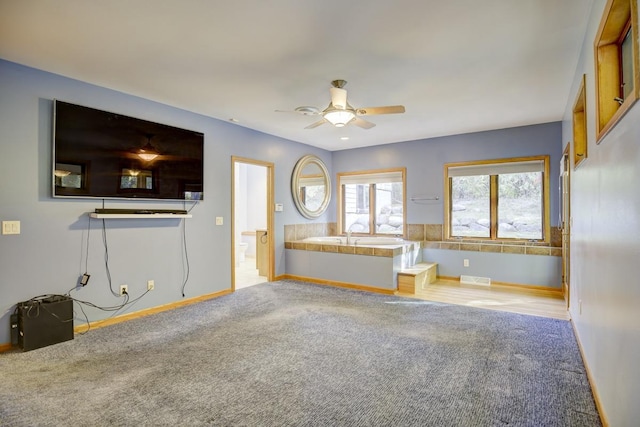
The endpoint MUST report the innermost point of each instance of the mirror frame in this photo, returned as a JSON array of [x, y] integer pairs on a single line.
[[295, 184]]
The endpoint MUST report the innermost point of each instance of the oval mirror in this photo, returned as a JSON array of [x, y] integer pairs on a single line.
[[311, 186]]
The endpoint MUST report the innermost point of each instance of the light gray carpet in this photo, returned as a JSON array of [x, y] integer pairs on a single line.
[[295, 354]]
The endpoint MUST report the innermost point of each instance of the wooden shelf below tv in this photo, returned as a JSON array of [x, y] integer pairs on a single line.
[[137, 216]]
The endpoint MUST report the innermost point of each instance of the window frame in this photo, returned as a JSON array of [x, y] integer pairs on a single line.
[[580, 145], [618, 18], [493, 235], [372, 200]]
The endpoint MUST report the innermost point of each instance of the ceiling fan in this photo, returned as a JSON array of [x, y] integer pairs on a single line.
[[340, 113]]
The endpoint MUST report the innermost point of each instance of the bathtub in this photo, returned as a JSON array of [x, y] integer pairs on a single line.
[[355, 240], [366, 263]]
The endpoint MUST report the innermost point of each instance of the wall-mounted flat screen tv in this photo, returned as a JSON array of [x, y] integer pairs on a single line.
[[112, 156]]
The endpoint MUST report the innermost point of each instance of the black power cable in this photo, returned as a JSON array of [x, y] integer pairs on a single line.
[[185, 259], [106, 257]]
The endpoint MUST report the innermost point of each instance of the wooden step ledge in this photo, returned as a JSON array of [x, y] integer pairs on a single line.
[[416, 277], [417, 268]]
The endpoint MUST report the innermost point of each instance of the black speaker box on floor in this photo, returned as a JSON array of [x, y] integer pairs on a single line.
[[45, 321], [13, 323]]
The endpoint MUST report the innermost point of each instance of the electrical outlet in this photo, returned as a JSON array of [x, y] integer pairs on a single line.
[[465, 263], [84, 279], [151, 285], [124, 289], [10, 227], [219, 220]]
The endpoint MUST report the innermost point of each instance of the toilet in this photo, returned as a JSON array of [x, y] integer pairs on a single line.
[[241, 248]]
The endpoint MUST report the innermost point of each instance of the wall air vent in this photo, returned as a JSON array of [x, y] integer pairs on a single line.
[[475, 280]]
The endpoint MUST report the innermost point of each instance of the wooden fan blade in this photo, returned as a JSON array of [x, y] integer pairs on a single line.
[[390, 109], [362, 123], [316, 124]]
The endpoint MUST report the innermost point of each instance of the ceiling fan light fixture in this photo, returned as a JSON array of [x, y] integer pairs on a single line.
[[339, 118], [340, 113]]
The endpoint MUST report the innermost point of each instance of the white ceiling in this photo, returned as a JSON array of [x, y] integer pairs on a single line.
[[458, 66]]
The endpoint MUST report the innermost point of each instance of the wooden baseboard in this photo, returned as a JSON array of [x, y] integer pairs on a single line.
[[594, 390], [148, 311], [340, 284], [5, 347]]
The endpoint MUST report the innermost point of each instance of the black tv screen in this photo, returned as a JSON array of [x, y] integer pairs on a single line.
[[108, 155]]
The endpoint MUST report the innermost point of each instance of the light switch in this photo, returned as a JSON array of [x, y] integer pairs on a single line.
[[10, 227], [219, 220], [279, 207]]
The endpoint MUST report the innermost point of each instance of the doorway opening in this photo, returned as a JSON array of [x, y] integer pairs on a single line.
[[252, 223]]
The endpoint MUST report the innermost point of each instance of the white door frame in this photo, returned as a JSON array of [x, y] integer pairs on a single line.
[[565, 224], [270, 217]]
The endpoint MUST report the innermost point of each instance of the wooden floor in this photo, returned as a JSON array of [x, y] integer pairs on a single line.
[[495, 297]]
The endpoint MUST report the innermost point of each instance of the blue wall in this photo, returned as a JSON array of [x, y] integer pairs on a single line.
[[425, 159], [519, 269], [49, 254]]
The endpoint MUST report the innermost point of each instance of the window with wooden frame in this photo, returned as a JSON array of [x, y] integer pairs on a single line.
[[580, 126], [616, 59], [504, 199], [372, 202]]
